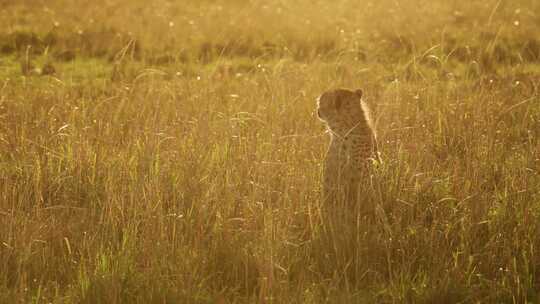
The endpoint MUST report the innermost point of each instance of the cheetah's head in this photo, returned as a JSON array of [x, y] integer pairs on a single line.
[[341, 108]]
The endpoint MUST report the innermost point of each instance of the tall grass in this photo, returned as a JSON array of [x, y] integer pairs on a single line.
[[175, 156]]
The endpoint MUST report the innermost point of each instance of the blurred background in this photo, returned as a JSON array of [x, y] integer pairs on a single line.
[[387, 31]]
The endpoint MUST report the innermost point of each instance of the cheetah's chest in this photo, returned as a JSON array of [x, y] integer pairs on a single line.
[[345, 157]]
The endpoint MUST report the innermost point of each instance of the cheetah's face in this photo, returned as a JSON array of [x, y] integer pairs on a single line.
[[341, 105]]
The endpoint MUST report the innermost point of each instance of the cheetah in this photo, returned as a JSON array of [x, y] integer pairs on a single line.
[[353, 141]]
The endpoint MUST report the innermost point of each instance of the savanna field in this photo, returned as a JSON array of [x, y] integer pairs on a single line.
[[170, 151]]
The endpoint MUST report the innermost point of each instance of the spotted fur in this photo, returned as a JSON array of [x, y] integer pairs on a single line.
[[352, 140]]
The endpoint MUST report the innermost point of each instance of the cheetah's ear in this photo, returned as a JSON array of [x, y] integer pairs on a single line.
[[358, 93]]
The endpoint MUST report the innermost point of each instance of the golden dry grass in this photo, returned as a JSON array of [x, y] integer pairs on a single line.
[[169, 152]]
